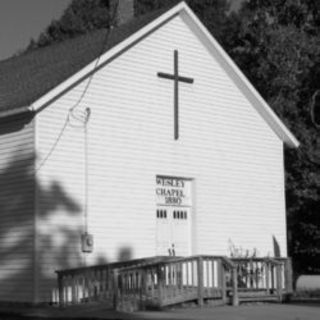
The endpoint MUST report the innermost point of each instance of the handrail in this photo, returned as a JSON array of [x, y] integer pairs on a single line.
[[112, 265], [228, 262], [277, 261], [165, 280], [171, 259]]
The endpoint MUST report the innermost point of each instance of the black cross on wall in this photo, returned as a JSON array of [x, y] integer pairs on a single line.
[[176, 78]]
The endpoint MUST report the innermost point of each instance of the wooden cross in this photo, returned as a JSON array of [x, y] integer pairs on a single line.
[[176, 78]]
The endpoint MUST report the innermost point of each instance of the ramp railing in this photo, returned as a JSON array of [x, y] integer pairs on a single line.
[[93, 283], [160, 281], [174, 281]]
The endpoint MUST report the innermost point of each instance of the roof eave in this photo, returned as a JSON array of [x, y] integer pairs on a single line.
[[292, 142], [13, 112], [245, 85]]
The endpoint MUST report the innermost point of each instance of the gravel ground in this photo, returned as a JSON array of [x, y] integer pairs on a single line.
[[305, 311], [244, 312]]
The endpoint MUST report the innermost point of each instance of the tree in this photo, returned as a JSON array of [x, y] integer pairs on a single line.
[[278, 49], [80, 17], [215, 14], [83, 16]]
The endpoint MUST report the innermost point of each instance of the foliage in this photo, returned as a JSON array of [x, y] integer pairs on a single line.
[[215, 14], [83, 16], [239, 252], [278, 49], [306, 294], [80, 17]]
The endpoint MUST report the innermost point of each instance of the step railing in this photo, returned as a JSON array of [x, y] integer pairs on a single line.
[[264, 276]]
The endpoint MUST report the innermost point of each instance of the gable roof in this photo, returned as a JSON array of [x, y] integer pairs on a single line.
[[33, 80], [25, 78]]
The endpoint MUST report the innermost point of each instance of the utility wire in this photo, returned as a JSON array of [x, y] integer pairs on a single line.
[[53, 147], [315, 104], [71, 110]]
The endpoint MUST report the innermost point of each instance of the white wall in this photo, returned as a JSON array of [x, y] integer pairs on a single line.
[[235, 159]]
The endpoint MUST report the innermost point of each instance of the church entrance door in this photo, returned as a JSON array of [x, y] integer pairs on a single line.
[[173, 230], [173, 215]]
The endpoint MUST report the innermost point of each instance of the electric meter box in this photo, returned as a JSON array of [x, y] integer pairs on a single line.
[[87, 242]]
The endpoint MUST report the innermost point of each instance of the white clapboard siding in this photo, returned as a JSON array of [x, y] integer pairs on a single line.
[[232, 155], [16, 209]]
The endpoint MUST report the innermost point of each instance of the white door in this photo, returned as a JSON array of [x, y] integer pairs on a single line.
[[173, 230]]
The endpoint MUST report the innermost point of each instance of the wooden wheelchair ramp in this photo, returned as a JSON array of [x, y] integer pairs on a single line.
[[162, 281], [175, 281]]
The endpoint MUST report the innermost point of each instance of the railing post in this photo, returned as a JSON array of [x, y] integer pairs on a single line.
[[235, 297], [115, 289], [161, 281], [200, 281], [267, 264], [223, 282], [143, 290], [279, 281], [60, 289]]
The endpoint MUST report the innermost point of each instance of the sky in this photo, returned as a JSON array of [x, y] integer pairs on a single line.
[[22, 20]]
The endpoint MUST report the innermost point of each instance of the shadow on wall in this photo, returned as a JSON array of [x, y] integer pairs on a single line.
[[276, 247], [57, 240], [18, 188], [125, 254], [17, 229]]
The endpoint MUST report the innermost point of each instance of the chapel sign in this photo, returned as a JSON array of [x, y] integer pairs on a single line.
[[172, 191]]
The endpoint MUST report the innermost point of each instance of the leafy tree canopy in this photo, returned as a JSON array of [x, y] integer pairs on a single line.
[[80, 17], [83, 16], [278, 48]]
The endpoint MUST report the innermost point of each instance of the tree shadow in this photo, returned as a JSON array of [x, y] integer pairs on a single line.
[[30, 249], [276, 247], [29, 246], [41, 223], [37, 237], [124, 254]]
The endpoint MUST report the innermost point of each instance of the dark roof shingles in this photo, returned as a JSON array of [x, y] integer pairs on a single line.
[[25, 78]]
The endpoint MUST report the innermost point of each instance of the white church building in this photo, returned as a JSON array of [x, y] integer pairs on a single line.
[[146, 140]]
